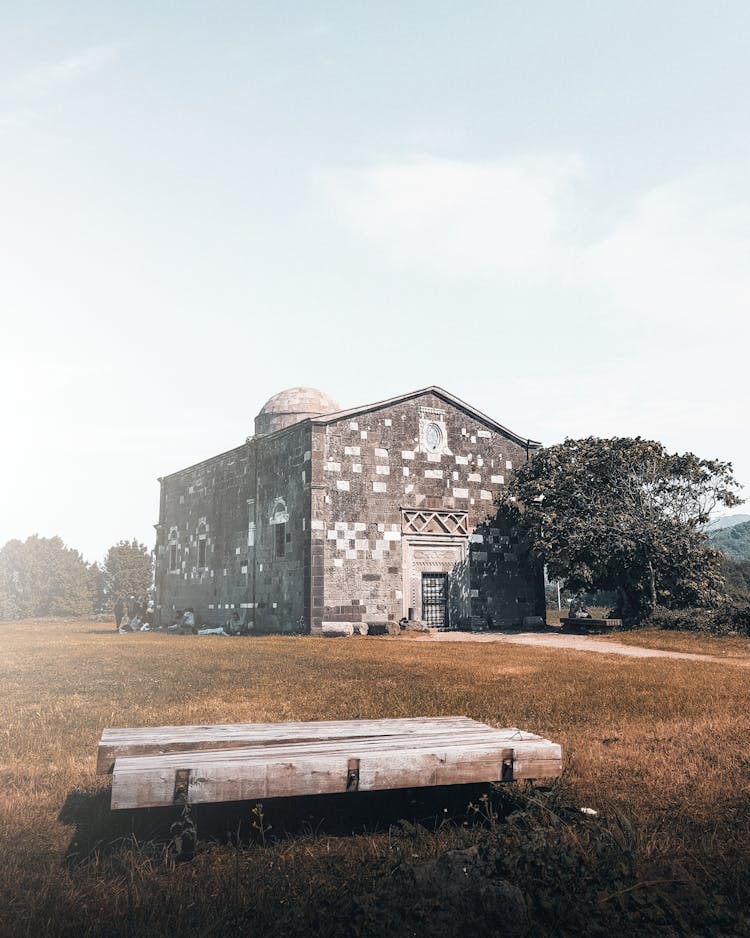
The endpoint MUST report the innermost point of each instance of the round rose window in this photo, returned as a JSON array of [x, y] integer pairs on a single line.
[[433, 437]]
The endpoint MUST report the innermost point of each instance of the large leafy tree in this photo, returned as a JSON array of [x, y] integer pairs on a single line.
[[42, 577], [624, 515], [128, 569]]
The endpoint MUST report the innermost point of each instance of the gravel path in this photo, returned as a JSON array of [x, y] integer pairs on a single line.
[[574, 643]]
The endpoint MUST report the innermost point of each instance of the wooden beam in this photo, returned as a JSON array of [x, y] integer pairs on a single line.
[[457, 755], [154, 740]]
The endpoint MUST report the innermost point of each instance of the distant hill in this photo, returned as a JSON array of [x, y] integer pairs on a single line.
[[728, 521], [733, 541]]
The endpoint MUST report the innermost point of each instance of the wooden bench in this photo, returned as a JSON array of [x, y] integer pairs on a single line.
[[160, 766], [590, 625]]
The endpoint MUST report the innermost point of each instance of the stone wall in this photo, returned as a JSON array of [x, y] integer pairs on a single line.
[[206, 501], [240, 502], [368, 469], [282, 501]]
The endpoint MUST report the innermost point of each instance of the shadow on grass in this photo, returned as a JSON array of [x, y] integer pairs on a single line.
[[100, 830]]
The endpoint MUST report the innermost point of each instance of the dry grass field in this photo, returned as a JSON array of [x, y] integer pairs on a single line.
[[660, 748], [695, 643]]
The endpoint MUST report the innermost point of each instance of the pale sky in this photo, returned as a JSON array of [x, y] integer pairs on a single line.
[[542, 207]]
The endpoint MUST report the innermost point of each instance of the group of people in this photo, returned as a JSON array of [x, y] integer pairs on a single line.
[[233, 626], [137, 615], [185, 624], [133, 614]]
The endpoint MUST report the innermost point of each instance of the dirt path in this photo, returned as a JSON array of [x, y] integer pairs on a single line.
[[575, 643]]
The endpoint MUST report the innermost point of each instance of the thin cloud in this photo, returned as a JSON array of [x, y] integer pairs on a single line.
[[43, 80], [457, 216], [678, 253]]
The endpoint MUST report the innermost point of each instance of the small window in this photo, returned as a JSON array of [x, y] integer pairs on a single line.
[[201, 532], [172, 556], [280, 539]]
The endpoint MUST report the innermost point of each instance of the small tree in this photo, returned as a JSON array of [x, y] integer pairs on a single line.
[[128, 569], [624, 515], [42, 577]]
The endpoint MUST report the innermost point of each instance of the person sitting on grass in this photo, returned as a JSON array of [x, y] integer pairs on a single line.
[[188, 621], [578, 609]]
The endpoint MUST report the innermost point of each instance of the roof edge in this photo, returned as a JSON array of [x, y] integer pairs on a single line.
[[203, 462], [438, 392], [325, 419]]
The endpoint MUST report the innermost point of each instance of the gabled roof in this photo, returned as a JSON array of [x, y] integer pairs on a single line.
[[438, 392]]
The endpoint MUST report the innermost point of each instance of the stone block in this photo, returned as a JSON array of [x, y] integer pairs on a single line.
[[383, 628], [415, 625], [337, 629]]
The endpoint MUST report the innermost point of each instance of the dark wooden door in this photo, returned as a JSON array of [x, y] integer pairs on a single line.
[[435, 600]]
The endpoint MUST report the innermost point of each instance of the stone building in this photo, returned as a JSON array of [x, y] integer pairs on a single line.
[[361, 516]]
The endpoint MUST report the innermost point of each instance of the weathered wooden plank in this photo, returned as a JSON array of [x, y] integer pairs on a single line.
[[321, 767], [223, 782], [530, 767], [288, 729], [467, 738], [125, 742]]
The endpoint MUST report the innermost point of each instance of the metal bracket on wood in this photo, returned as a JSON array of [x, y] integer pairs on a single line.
[[352, 775], [507, 771], [181, 785]]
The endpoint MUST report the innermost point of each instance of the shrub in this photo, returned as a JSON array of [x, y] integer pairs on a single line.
[[736, 575], [725, 619]]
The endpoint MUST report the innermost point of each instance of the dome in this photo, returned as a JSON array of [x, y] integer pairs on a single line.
[[291, 406]]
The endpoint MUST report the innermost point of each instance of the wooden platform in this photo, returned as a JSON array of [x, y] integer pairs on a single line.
[[168, 765], [590, 625]]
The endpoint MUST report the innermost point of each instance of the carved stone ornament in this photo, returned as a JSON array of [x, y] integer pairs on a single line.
[[424, 521]]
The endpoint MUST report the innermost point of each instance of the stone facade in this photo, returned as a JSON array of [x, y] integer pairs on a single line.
[[350, 518]]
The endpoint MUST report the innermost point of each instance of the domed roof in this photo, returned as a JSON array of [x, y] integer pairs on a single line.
[[292, 405]]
